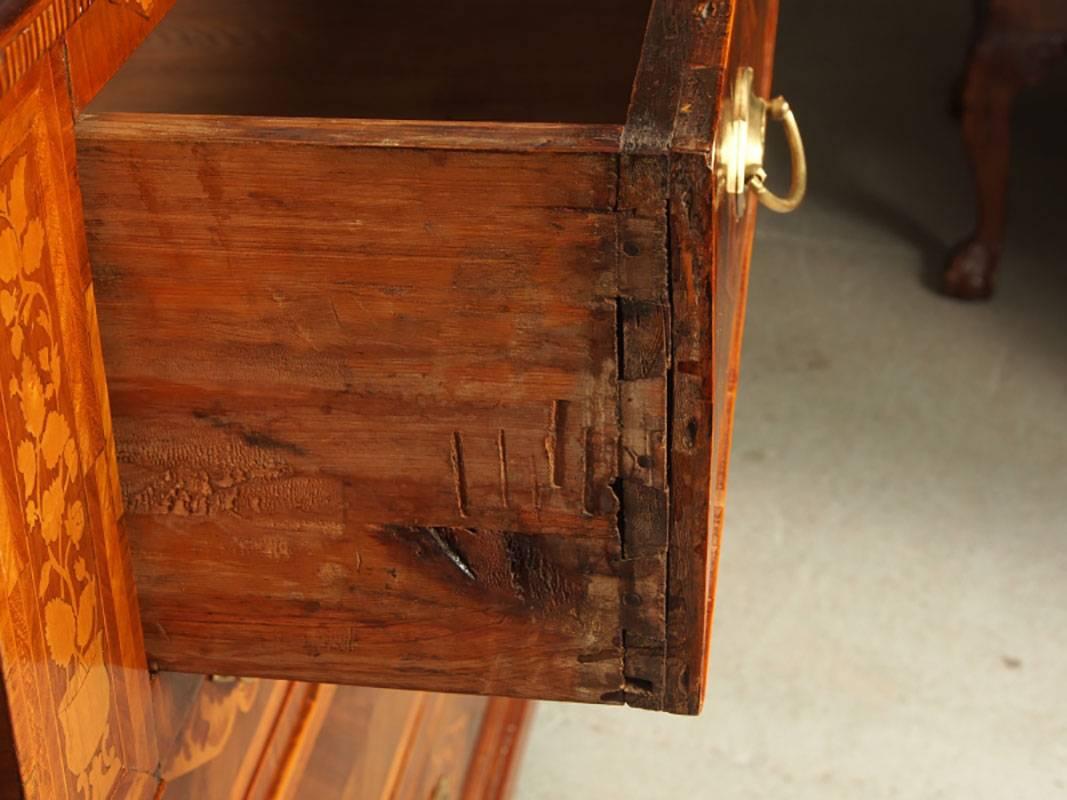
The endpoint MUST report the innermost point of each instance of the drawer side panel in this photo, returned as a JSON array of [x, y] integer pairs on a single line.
[[366, 403]]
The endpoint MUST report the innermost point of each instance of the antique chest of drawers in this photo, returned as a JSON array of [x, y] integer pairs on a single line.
[[363, 344]]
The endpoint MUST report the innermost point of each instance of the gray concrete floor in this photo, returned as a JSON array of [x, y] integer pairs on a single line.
[[892, 611]]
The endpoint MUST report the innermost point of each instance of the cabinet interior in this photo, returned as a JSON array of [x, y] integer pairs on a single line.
[[567, 61]]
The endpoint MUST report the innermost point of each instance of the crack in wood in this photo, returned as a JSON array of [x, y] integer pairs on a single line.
[[519, 570], [451, 553]]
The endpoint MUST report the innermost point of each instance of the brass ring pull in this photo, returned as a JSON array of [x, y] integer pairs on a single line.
[[779, 110], [741, 144]]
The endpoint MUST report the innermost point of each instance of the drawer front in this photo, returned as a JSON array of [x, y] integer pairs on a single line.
[[733, 229], [378, 744], [712, 246], [364, 748], [229, 738], [239, 738], [441, 753]]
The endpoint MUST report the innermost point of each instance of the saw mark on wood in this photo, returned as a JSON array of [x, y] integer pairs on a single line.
[[508, 567], [332, 640], [459, 474], [535, 488], [589, 485], [555, 443], [336, 316], [502, 454]]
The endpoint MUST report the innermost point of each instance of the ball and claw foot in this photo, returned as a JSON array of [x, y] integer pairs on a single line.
[[969, 275]]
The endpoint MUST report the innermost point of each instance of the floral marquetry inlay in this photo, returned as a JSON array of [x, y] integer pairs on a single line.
[[143, 7], [211, 724], [71, 648], [51, 483]]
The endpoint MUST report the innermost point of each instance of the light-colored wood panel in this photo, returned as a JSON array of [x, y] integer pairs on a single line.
[[516, 137]]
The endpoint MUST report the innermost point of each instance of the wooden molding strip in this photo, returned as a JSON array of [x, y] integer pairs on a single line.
[[497, 753], [507, 137], [33, 34]]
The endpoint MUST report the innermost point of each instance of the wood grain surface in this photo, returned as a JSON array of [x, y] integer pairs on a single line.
[[494, 763], [400, 439], [29, 29], [70, 635], [103, 38], [224, 728], [732, 230], [690, 53], [245, 738], [441, 750], [77, 708], [255, 738], [365, 745]]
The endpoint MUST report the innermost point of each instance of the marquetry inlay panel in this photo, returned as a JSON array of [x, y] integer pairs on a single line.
[[34, 37], [73, 663]]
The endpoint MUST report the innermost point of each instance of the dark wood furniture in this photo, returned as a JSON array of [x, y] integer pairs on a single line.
[[1015, 43], [421, 327]]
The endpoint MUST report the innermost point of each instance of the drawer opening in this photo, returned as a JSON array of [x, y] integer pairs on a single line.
[[569, 61]]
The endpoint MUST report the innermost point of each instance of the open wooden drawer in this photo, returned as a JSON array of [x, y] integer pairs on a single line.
[[420, 324]]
